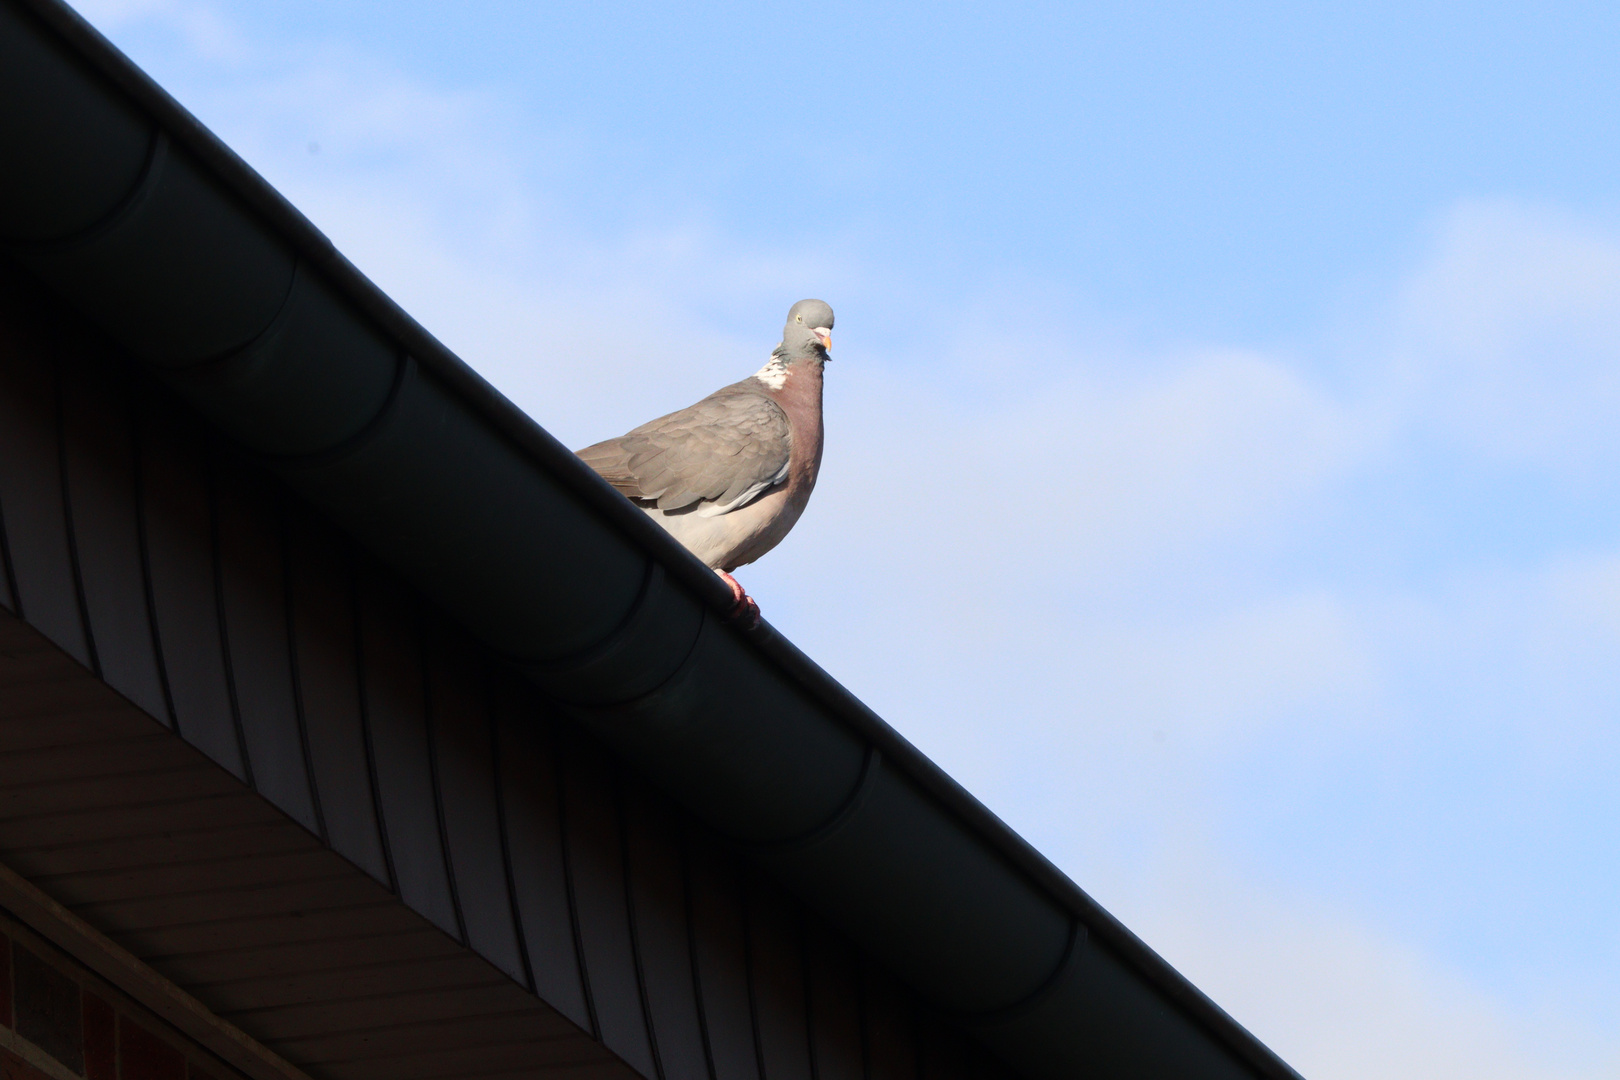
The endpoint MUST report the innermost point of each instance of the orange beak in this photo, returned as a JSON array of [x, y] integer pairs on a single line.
[[823, 335]]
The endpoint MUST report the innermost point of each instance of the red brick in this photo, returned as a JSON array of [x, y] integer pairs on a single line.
[[100, 1039], [13, 1067], [145, 1056], [5, 980], [48, 1009]]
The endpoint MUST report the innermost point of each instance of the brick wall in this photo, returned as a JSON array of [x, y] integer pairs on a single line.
[[58, 1021]]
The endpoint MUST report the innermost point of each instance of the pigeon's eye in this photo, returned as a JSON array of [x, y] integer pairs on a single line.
[[798, 318]]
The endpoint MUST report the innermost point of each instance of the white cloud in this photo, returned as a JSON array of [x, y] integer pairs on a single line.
[[1512, 338], [200, 26], [1230, 677], [1341, 1000], [1587, 595]]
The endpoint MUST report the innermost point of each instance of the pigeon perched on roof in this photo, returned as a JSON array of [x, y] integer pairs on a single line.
[[729, 476]]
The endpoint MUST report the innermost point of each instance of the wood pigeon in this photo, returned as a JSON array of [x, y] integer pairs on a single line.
[[729, 476]]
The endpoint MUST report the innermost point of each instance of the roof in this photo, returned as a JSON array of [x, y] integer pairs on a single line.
[[124, 205]]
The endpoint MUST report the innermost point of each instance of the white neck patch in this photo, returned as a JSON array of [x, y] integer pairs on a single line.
[[773, 374]]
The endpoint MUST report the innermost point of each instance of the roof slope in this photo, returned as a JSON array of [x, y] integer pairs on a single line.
[[123, 204]]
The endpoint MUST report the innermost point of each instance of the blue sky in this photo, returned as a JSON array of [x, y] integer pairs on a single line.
[[1223, 478]]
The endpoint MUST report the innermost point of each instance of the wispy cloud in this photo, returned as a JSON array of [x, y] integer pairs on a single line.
[[200, 27], [1511, 335], [1341, 1000]]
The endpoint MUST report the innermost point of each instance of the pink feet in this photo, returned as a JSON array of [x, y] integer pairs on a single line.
[[744, 611]]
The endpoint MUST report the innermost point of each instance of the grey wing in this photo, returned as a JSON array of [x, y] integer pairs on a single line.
[[717, 455]]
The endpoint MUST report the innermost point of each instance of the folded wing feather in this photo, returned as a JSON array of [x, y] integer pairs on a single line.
[[713, 457]]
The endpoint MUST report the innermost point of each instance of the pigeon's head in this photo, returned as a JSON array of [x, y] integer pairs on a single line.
[[808, 333]]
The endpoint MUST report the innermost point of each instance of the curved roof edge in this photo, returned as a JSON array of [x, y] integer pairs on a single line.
[[834, 818]]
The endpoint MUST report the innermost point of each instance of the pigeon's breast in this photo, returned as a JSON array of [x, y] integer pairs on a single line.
[[800, 398], [738, 537]]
